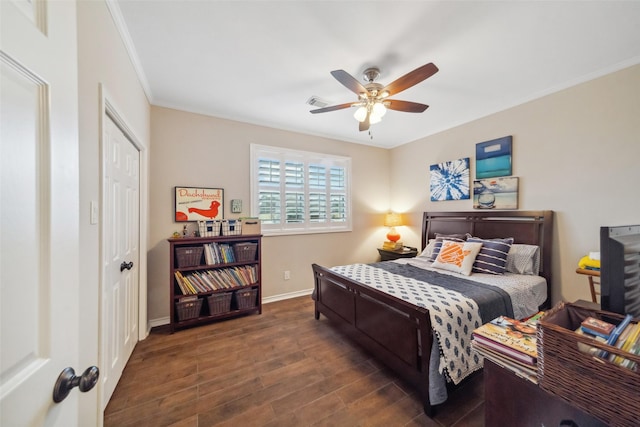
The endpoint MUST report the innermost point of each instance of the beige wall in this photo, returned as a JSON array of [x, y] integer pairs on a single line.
[[576, 152], [102, 58], [195, 150]]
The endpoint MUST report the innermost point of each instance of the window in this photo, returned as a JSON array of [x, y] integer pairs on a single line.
[[299, 192]]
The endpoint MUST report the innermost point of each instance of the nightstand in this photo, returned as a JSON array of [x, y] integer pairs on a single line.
[[406, 252]]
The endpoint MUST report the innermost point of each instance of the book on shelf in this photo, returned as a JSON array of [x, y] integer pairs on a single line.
[[509, 336], [204, 281], [218, 253]]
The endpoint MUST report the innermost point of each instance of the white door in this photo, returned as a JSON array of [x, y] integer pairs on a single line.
[[120, 229], [39, 212]]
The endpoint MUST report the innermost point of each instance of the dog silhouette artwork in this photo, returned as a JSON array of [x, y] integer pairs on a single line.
[[212, 212]]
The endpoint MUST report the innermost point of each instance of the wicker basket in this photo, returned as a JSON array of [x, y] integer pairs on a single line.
[[598, 387], [189, 256], [245, 251], [188, 309], [220, 303], [231, 227], [246, 298]]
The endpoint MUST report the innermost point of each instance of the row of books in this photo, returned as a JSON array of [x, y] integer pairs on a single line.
[[624, 336], [212, 280], [511, 344], [218, 253]]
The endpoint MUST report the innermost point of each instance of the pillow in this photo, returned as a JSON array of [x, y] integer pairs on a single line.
[[441, 237], [428, 250], [524, 259], [492, 258], [457, 256]]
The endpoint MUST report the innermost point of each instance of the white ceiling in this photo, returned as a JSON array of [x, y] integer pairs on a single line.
[[260, 61]]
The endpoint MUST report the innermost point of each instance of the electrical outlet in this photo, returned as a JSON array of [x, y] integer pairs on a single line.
[[287, 275]]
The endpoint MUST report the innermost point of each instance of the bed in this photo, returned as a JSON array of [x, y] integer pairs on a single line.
[[399, 332]]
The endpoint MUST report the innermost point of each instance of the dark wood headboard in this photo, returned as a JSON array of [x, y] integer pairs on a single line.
[[526, 227]]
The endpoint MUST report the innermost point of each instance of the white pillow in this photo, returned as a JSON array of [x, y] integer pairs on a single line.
[[523, 259], [457, 256]]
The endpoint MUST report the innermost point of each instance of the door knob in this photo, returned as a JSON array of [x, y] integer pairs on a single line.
[[126, 265], [67, 380]]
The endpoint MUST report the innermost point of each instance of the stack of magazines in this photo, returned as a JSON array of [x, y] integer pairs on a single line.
[[511, 344]]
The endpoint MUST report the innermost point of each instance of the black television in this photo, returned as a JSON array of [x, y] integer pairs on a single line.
[[620, 269]]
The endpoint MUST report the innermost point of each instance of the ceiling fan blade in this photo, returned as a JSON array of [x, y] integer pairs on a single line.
[[349, 81], [364, 125], [412, 78], [332, 108], [406, 106]]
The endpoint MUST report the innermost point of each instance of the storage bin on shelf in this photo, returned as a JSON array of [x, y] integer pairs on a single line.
[[251, 226], [245, 251], [209, 228], [189, 309], [246, 298], [219, 303], [231, 227], [595, 385], [189, 256]]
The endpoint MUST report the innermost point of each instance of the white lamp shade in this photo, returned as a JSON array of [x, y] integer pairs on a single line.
[[379, 109], [360, 114]]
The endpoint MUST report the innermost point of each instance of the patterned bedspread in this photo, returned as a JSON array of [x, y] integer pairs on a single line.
[[455, 310]]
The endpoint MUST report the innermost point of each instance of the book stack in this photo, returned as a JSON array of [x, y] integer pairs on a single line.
[[511, 344], [391, 246], [624, 336]]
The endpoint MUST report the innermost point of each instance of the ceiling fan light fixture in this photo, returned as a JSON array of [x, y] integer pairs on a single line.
[[374, 118], [360, 114], [379, 109]]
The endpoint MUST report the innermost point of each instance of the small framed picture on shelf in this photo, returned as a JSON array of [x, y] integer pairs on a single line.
[[197, 203]]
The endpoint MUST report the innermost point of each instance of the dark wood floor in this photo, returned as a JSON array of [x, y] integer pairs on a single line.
[[281, 368]]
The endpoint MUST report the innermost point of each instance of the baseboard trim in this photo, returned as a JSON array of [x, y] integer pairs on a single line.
[[161, 321], [290, 295]]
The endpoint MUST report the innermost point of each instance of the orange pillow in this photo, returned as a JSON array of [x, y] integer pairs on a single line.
[[457, 256]]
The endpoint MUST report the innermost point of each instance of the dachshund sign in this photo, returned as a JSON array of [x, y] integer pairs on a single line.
[[199, 204]]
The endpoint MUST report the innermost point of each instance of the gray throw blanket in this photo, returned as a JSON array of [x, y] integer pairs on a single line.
[[492, 301]]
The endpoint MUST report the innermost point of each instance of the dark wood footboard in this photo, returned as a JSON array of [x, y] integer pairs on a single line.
[[396, 332]]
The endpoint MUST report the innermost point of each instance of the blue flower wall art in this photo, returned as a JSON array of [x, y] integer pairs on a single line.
[[450, 180]]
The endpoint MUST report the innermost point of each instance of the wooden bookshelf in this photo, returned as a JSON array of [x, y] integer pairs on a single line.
[[233, 282]]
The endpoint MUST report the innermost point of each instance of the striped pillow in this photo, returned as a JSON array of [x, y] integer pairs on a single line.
[[492, 258], [442, 237]]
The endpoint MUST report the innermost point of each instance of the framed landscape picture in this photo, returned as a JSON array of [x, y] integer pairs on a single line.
[[495, 193], [198, 204]]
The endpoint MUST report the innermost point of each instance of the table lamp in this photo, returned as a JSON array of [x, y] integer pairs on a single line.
[[393, 220]]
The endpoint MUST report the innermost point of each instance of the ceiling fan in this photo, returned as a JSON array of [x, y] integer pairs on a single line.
[[373, 98]]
